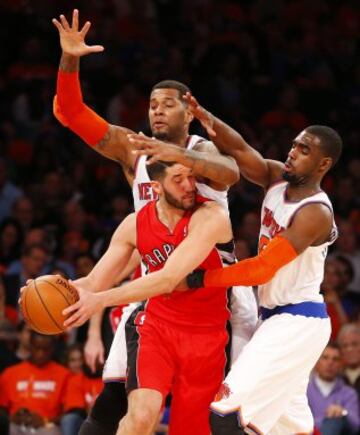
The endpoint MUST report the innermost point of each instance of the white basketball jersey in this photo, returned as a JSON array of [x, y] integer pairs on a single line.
[[299, 280], [143, 193]]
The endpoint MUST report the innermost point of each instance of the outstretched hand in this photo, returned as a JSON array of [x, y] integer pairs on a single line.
[[72, 40], [205, 117]]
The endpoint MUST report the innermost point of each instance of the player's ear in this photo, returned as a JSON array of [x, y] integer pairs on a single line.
[[325, 164], [156, 186]]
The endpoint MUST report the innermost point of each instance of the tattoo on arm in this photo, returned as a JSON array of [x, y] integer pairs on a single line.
[[104, 141], [69, 63]]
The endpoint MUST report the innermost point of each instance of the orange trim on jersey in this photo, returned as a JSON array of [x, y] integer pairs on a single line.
[[254, 271], [71, 111]]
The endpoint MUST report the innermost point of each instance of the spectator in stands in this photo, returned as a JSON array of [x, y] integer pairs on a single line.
[[9, 193], [346, 246], [330, 288], [8, 338], [32, 392], [349, 299], [349, 342], [23, 212], [33, 261], [74, 358], [11, 236], [81, 393], [335, 406]]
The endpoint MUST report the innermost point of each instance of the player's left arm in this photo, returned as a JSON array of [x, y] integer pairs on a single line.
[[311, 226], [209, 225], [204, 159]]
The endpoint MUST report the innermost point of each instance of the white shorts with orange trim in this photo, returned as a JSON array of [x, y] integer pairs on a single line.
[[267, 383]]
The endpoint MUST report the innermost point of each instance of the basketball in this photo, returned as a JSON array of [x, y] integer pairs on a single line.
[[43, 301]]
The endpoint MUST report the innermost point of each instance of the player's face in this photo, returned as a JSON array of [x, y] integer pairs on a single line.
[[305, 159], [178, 187], [168, 115], [329, 364]]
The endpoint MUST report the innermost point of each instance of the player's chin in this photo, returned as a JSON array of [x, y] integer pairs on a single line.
[[188, 203]]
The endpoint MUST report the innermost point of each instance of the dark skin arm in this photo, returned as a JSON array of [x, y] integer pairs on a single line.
[[207, 164], [115, 144], [251, 163], [220, 170]]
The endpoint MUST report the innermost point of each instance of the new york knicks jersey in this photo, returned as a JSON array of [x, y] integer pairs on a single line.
[[299, 280], [143, 193], [202, 308]]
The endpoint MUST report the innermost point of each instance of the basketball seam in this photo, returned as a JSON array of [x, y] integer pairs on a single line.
[[62, 294], [45, 307], [31, 321]]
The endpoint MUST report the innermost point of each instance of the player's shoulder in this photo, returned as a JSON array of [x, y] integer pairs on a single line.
[[210, 210]]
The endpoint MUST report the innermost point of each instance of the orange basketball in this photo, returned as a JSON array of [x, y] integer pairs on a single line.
[[43, 301]]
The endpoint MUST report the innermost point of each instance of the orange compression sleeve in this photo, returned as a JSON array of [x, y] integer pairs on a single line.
[[71, 111], [255, 270]]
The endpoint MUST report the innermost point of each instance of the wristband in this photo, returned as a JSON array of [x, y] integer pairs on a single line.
[[195, 279]]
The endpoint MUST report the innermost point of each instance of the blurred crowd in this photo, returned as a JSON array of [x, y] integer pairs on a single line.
[[267, 68]]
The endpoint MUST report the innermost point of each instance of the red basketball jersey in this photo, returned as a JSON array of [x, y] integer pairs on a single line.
[[205, 307]]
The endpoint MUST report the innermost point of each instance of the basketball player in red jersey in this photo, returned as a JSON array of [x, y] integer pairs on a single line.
[[181, 335], [169, 120]]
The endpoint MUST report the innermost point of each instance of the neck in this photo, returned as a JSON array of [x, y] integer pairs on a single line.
[[168, 214], [179, 139], [301, 191]]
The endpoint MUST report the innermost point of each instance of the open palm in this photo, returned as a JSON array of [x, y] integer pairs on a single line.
[[72, 40]]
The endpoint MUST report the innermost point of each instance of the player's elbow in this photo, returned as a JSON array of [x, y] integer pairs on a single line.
[[233, 175], [168, 282]]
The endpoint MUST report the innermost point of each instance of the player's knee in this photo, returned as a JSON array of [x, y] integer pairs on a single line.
[[226, 425], [142, 419]]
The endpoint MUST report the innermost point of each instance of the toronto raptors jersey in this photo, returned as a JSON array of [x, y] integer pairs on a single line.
[[300, 279], [143, 193], [202, 308]]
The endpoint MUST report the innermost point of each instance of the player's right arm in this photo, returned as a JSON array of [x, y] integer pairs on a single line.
[[115, 260], [109, 140], [253, 166]]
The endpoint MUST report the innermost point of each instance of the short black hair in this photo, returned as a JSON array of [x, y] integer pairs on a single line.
[[172, 84], [157, 169], [331, 142]]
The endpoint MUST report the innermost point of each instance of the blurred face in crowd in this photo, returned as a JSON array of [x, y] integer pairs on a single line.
[[331, 276], [329, 364], [34, 262], [75, 361], [9, 236], [168, 115], [350, 348], [305, 160], [23, 212], [42, 348], [347, 238], [84, 265]]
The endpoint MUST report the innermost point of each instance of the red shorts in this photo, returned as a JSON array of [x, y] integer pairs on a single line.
[[188, 363]]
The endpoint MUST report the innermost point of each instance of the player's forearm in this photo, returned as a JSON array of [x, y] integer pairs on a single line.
[[227, 139], [252, 271], [215, 167], [69, 63], [154, 284]]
